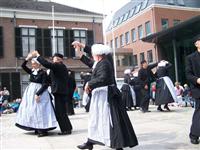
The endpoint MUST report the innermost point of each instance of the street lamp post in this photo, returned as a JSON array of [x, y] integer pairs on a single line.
[[53, 26], [114, 51]]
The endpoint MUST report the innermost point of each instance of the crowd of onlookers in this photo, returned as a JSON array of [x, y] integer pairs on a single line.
[[6, 104], [183, 94]]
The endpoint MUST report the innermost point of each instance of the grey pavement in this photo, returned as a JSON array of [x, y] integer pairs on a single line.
[[155, 131]]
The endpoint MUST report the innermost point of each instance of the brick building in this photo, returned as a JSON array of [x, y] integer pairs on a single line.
[[26, 25], [139, 19]]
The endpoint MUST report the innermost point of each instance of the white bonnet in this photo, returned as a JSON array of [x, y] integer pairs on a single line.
[[100, 49], [127, 71], [162, 63]]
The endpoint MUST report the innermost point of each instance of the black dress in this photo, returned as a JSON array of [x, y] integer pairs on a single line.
[[127, 97], [33, 115], [164, 86], [121, 130]]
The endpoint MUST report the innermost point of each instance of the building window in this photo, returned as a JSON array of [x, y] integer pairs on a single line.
[[133, 35], [171, 2], [140, 32], [80, 35], [121, 40], [120, 20], [144, 4], [135, 61], [1, 41], [28, 40], [111, 43], [115, 22], [164, 23], [181, 2], [137, 9], [131, 12], [148, 28], [124, 60], [59, 41], [149, 56], [127, 39], [116, 43], [176, 21], [126, 16], [142, 57]]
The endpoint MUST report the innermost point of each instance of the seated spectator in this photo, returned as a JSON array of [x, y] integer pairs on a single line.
[[76, 97], [6, 94], [179, 93], [12, 106], [1, 101], [187, 96]]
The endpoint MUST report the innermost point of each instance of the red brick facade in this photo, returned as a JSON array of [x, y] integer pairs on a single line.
[[154, 14]]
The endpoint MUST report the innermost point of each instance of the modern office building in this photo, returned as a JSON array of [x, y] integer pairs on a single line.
[[139, 19]]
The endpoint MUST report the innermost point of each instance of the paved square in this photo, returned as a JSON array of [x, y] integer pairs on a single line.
[[155, 131]]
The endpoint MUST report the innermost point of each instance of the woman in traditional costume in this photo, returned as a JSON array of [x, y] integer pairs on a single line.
[[36, 110]]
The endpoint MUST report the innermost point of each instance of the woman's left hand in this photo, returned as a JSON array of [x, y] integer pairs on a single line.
[[37, 98], [87, 89]]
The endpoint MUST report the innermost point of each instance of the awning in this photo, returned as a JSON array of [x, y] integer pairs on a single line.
[[189, 28]]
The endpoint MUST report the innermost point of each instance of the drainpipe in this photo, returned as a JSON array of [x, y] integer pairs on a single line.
[[175, 59], [93, 28], [15, 24]]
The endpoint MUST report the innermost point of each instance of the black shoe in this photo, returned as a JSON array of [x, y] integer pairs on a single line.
[[42, 134], [85, 146], [130, 109], [145, 111], [159, 109], [194, 141], [119, 148], [166, 107], [65, 132], [36, 132]]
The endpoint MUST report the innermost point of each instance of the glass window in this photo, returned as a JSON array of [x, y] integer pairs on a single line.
[[125, 60], [135, 61], [115, 22], [126, 16], [181, 2], [121, 40], [116, 43], [59, 40], [133, 35], [140, 32], [127, 37], [120, 20], [144, 4], [165, 23], [28, 40], [111, 43], [80, 35], [131, 12], [149, 56], [176, 21], [170, 1], [137, 9], [142, 57], [148, 28]]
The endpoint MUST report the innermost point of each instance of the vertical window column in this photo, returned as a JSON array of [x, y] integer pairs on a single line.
[[28, 40], [59, 40]]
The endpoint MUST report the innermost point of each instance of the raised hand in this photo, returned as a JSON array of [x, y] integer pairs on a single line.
[[29, 56], [35, 53]]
